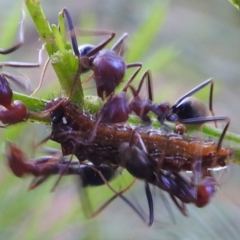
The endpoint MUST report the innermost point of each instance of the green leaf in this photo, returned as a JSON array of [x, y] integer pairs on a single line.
[[235, 3]]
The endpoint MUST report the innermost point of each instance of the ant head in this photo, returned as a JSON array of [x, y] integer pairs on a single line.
[[190, 107], [84, 49], [205, 191], [16, 160]]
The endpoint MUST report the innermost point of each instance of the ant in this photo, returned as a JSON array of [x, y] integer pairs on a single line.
[[12, 112], [186, 110], [43, 167], [143, 166], [108, 67], [176, 185]]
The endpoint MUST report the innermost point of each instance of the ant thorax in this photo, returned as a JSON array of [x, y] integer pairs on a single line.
[[71, 127]]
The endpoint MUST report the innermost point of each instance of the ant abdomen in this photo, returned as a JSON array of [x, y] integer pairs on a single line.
[[136, 162], [90, 177], [11, 112], [16, 112], [190, 107], [5, 92], [109, 70]]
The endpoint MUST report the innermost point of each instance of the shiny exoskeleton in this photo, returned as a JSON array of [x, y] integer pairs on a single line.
[[12, 112], [44, 167], [108, 67], [180, 189], [143, 166], [186, 110]]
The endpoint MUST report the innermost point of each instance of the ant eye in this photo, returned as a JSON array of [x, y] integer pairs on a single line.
[[85, 49]]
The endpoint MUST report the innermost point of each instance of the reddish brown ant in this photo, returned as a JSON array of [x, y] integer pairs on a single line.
[[44, 167], [16, 111], [10, 112], [186, 109], [108, 67]]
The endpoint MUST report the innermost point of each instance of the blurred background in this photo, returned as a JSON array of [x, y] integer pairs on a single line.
[[183, 43]]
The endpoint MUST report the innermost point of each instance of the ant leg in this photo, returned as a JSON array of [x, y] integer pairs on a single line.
[[20, 41], [112, 198], [72, 32], [139, 106], [147, 76], [25, 86], [120, 194], [132, 65], [38, 181], [74, 39], [41, 78], [118, 47], [202, 120], [181, 206], [24, 64], [150, 203], [140, 165], [167, 205], [194, 90], [115, 115], [87, 80], [62, 173]]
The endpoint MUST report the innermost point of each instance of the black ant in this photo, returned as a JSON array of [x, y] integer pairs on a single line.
[[143, 166], [108, 67], [16, 111]]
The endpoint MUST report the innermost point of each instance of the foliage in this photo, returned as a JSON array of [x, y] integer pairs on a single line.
[[235, 3]]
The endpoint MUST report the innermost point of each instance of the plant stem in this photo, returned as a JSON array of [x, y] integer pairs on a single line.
[[61, 56]]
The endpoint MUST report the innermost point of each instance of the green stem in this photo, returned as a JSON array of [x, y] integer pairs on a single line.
[[61, 56], [93, 104]]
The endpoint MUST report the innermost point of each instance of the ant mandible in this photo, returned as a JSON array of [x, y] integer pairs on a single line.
[[108, 67]]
